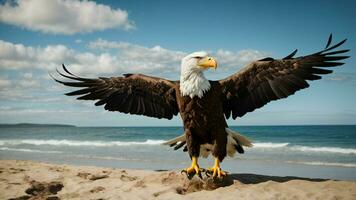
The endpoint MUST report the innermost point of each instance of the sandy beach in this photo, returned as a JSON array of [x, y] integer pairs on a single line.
[[37, 180]]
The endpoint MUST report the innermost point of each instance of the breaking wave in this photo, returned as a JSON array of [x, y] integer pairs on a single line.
[[27, 150], [79, 143], [101, 143], [324, 149], [324, 164], [310, 149], [269, 145], [108, 158]]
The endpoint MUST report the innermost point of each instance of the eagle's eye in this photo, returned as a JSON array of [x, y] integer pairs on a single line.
[[198, 57]]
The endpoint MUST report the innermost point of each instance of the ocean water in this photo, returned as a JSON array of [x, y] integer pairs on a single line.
[[308, 151]]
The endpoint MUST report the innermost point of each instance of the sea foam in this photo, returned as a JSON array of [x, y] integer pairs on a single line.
[[311, 149], [27, 150], [101, 143], [269, 145], [324, 149], [97, 143], [332, 164]]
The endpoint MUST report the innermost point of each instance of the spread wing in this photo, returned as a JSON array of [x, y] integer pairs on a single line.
[[133, 93], [268, 79]]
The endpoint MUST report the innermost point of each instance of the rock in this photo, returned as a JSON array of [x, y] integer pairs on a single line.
[[52, 198], [196, 184], [83, 175], [92, 177], [24, 197], [97, 176], [38, 188], [140, 183], [181, 190], [97, 189], [55, 187], [127, 178]]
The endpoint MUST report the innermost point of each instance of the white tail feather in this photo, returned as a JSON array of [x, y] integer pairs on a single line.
[[180, 138], [243, 141], [206, 149]]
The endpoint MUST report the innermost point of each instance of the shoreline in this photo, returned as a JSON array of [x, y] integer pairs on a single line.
[[239, 166], [63, 181]]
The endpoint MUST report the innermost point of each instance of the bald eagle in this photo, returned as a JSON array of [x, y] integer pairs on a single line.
[[204, 105]]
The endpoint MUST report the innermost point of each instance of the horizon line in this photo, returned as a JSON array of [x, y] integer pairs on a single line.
[[178, 126]]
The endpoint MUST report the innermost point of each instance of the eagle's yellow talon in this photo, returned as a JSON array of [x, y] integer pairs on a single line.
[[216, 170], [193, 169]]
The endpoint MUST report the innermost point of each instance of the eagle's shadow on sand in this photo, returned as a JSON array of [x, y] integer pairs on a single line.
[[256, 178], [195, 184], [208, 183]]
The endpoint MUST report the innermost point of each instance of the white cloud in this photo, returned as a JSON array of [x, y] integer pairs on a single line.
[[108, 57], [338, 78], [233, 59], [18, 56], [341, 77], [27, 75], [169, 60], [78, 41], [20, 87], [4, 83], [138, 58], [13, 94], [132, 59], [63, 16], [22, 110]]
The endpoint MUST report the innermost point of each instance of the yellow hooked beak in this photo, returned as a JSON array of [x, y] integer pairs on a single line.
[[207, 62]]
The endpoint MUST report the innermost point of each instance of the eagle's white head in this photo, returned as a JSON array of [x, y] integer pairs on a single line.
[[192, 80]]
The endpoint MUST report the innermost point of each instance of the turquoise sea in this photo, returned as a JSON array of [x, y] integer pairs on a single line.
[[308, 151]]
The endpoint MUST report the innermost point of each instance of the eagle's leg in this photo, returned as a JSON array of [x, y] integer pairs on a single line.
[[219, 154], [193, 169], [216, 171], [194, 149]]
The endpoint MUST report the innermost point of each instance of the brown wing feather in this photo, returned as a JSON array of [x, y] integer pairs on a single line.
[[266, 80], [134, 93]]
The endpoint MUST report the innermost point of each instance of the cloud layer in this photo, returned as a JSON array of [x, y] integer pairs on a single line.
[[109, 57], [63, 16]]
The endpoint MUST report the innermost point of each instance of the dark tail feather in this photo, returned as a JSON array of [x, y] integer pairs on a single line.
[[239, 147], [178, 146]]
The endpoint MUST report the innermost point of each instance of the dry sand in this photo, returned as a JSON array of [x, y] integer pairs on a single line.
[[35, 180]]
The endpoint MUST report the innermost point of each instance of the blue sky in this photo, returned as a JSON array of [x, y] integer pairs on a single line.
[[108, 38]]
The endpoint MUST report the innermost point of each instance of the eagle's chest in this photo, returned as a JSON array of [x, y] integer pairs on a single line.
[[201, 109], [195, 103]]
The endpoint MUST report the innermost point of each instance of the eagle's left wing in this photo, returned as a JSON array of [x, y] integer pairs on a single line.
[[133, 93], [268, 79]]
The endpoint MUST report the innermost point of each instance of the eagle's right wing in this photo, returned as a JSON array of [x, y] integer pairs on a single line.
[[268, 79]]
